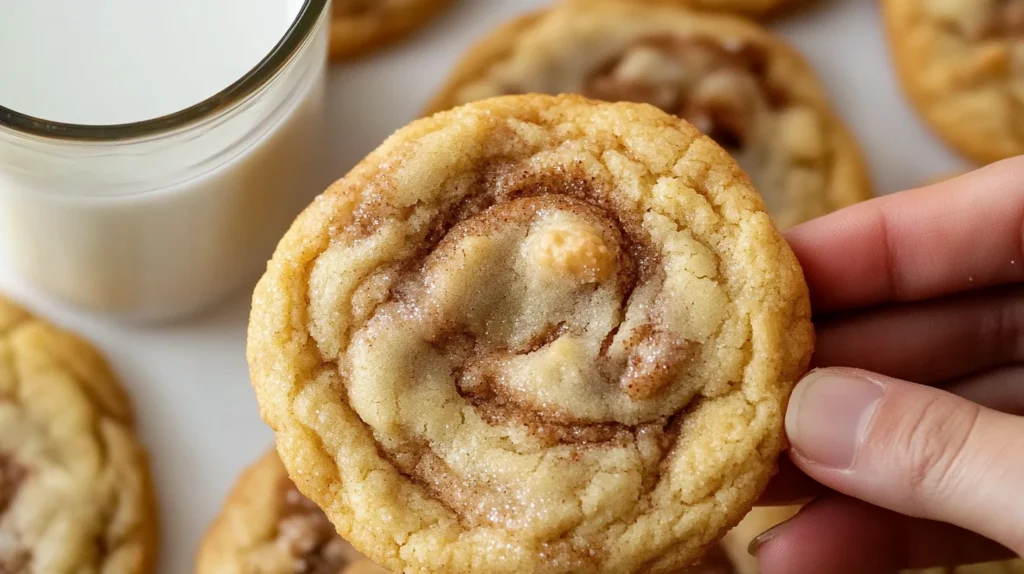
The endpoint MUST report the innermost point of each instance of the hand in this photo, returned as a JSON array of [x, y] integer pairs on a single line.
[[924, 286]]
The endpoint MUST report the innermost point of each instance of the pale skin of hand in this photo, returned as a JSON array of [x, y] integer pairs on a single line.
[[910, 435]]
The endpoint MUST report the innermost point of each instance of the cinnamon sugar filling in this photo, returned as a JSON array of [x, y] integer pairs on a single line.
[[561, 351]]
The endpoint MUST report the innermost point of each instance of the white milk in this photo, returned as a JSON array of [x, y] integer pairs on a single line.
[[162, 224], [102, 62]]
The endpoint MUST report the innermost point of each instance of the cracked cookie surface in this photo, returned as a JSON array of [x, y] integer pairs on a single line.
[[75, 491], [360, 26], [961, 62], [533, 334], [731, 78], [268, 527]]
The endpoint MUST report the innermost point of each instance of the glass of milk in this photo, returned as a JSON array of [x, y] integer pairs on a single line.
[[152, 153]]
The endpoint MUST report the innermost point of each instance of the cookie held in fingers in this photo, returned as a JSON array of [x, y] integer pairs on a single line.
[[961, 62], [733, 79], [267, 527], [533, 334], [360, 26], [75, 490]]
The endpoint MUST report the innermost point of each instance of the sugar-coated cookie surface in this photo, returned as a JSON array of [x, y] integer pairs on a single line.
[[962, 64], [75, 491], [733, 79], [267, 527], [533, 334], [359, 26]]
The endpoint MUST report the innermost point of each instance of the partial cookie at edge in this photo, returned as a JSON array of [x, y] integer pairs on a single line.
[[75, 490], [962, 65], [267, 527]]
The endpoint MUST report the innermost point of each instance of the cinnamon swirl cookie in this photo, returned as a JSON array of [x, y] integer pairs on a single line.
[[75, 492], [533, 334], [731, 78], [962, 64], [268, 527], [358, 26]]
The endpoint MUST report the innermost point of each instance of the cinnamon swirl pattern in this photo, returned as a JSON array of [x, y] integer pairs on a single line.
[[736, 81], [533, 334]]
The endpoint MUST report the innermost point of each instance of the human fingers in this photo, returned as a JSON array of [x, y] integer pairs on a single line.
[[930, 341], [913, 449], [1000, 389], [841, 535], [953, 236]]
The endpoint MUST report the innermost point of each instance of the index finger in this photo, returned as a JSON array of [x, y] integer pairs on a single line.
[[954, 236]]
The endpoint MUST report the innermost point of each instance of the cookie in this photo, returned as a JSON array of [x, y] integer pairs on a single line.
[[729, 77], [533, 334], [360, 26], [961, 62], [752, 8], [75, 490], [267, 527]]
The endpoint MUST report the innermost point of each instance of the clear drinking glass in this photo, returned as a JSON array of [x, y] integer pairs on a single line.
[[158, 219]]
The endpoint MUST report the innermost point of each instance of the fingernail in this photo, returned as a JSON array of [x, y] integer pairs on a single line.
[[829, 414], [765, 537]]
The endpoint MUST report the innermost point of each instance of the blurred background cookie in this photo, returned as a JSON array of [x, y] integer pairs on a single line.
[[75, 490], [752, 8], [731, 78], [962, 64], [359, 26], [267, 527]]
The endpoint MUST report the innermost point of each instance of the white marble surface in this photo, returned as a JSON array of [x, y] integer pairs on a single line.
[[196, 411]]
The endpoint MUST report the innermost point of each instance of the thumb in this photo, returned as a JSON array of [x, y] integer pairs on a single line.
[[917, 450]]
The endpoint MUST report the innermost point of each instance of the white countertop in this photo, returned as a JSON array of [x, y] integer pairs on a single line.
[[196, 411]]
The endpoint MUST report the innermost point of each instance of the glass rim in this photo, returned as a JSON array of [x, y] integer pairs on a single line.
[[267, 68]]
